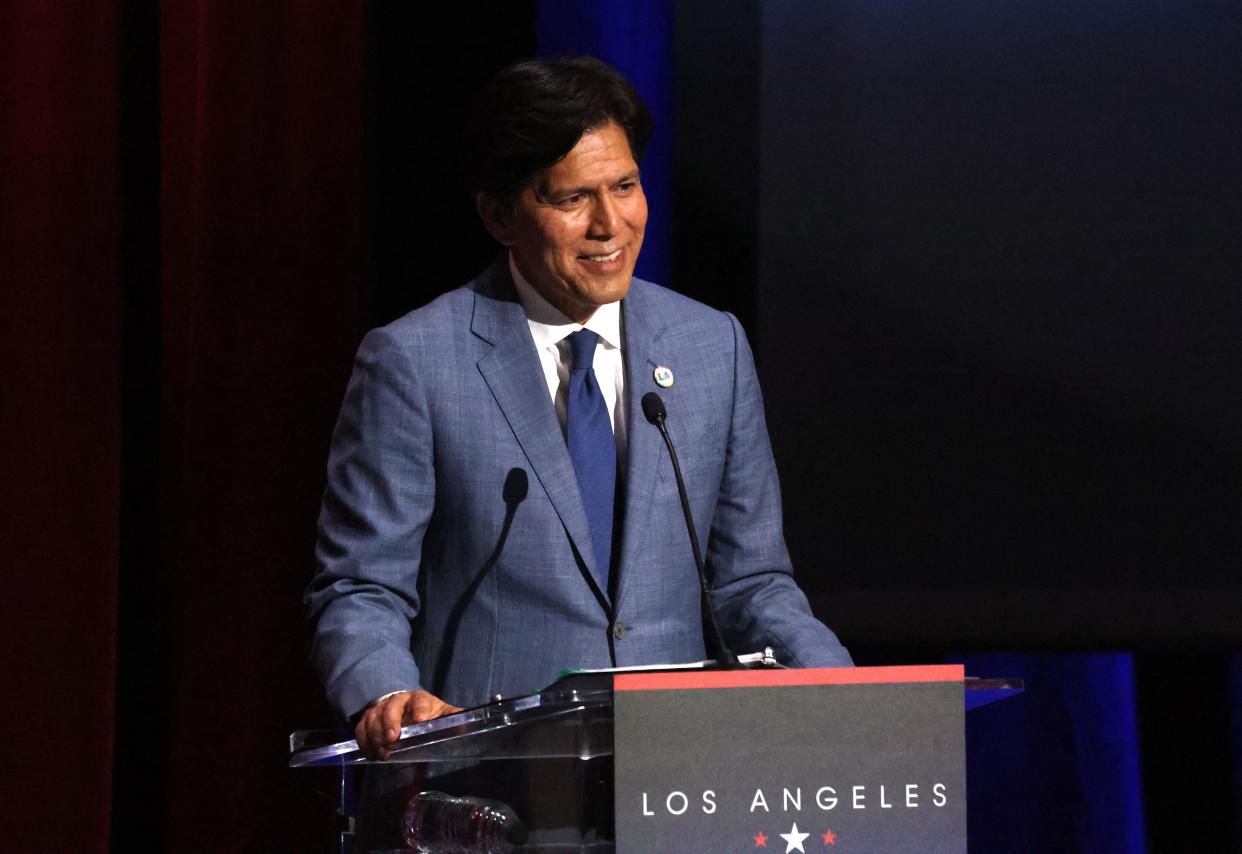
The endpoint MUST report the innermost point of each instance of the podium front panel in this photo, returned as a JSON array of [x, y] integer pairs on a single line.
[[868, 759]]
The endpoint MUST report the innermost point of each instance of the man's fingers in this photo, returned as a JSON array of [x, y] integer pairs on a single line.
[[363, 733], [392, 714], [381, 724]]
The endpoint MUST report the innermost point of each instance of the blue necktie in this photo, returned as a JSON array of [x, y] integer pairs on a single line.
[[588, 432]]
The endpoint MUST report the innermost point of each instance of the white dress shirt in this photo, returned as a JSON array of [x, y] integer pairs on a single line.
[[550, 328]]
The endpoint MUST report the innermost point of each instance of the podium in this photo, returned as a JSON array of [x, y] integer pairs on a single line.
[[688, 759]]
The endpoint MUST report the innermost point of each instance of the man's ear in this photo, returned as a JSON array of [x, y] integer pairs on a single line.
[[497, 217]]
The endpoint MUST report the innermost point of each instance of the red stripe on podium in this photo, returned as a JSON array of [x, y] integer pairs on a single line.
[[764, 678]]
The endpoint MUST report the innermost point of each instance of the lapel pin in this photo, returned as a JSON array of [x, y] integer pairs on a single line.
[[663, 376]]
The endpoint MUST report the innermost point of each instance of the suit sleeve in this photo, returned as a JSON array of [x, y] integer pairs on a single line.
[[754, 593], [379, 499]]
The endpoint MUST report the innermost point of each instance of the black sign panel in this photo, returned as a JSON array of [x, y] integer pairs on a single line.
[[851, 759]]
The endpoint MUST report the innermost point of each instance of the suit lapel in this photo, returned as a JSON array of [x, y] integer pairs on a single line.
[[513, 374], [644, 327]]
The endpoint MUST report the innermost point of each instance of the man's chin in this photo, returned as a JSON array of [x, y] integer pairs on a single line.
[[610, 292]]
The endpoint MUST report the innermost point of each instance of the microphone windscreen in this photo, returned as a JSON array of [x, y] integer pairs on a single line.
[[653, 407], [516, 486]]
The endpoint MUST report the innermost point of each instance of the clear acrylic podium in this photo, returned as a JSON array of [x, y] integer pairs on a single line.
[[547, 755]]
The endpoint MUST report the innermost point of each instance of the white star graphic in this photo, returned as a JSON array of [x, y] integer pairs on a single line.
[[793, 839]]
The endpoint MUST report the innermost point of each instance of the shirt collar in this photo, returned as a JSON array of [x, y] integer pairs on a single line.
[[548, 326]]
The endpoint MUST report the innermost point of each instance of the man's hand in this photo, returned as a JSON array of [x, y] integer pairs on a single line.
[[381, 724]]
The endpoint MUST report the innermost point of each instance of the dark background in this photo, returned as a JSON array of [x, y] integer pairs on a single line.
[[986, 255], [1016, 233]]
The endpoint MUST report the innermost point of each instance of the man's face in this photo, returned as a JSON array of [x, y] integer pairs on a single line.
[[575, 233]]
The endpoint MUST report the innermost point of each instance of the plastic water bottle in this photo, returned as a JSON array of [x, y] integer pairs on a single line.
[[436, 823]]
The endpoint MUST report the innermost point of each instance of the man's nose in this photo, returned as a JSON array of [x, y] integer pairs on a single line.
[[605, 218]]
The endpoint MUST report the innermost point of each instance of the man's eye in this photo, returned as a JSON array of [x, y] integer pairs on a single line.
[[626, 187], [571, 201]]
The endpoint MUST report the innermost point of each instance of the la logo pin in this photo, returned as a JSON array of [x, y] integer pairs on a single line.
[[663, 376]]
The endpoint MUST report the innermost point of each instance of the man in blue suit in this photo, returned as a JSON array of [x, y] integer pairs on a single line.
[[498, 508]]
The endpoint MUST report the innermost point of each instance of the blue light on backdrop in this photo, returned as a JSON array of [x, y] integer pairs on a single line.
[[1057, 768], [637, 38]]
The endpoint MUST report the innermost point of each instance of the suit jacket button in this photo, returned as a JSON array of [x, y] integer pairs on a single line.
[[619, 629]]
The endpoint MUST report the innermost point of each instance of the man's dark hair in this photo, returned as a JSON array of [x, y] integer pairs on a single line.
[[533, 113]]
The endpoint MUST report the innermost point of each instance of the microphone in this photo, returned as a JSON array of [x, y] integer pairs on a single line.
[[653, 409]]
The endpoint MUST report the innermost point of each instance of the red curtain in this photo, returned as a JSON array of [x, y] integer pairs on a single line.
[[59, 421], [261, 161], [259, 131]]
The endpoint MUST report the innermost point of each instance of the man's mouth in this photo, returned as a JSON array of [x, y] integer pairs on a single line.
[[602, 259]]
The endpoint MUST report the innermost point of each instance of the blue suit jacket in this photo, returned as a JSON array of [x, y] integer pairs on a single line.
[[454, 553]]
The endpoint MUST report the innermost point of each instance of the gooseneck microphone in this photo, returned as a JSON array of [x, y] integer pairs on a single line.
[[653, 409]]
